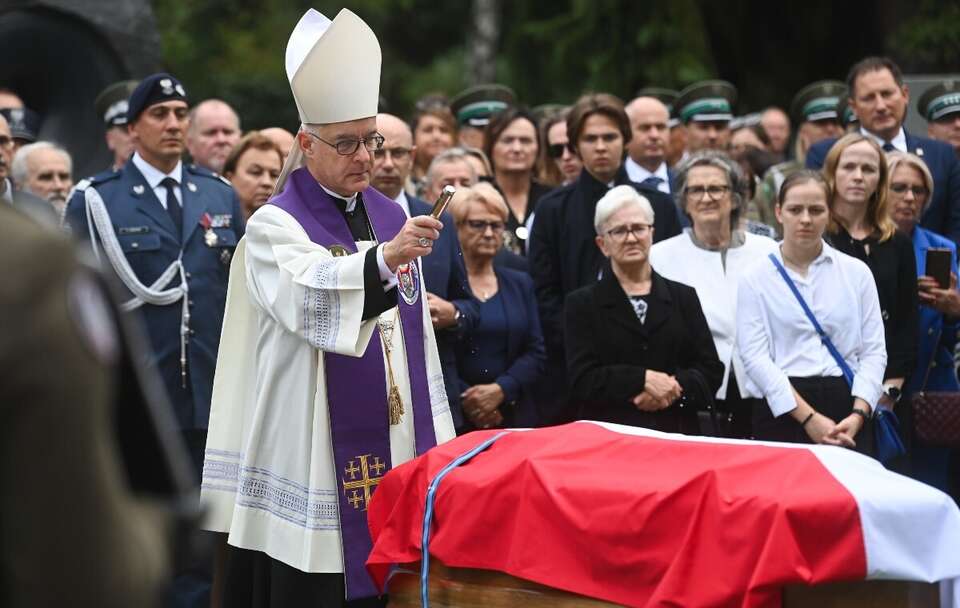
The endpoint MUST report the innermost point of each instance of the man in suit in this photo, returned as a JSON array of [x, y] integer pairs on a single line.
[[562, 253], [444, 274], [940, 105], [213, 132], [646, 160], [35, 207], [879, 98], [169, 230]]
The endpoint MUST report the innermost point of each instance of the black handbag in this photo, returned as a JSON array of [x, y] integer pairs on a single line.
[[936, 414]]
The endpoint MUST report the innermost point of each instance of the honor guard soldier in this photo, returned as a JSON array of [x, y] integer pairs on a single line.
[[940, 105], [111, 107], [706, 109], [474, 107], [169, 231]]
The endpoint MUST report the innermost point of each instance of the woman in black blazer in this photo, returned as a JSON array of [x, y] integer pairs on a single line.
[[501, 360], [639, 350]]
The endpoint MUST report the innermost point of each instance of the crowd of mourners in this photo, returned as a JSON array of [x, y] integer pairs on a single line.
[[664, 263]]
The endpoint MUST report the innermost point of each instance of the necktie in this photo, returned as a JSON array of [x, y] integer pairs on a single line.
[[653, 182], [173, 205], [888, 147]]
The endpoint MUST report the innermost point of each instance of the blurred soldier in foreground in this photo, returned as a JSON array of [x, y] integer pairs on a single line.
[[72, 532]]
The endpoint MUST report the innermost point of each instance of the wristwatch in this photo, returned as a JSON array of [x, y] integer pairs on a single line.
[[892, 392]]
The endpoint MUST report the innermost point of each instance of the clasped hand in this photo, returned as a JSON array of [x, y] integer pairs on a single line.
[[481, 404], [406, 246], [823, 430], [659, 391]]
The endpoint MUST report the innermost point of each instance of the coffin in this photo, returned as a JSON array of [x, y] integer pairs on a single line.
[[591, 514], [472, 588]]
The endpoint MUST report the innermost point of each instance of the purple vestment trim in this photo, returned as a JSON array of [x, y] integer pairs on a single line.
[[356, 388]]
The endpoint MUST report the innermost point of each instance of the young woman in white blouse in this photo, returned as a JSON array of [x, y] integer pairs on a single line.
[[808, 399]]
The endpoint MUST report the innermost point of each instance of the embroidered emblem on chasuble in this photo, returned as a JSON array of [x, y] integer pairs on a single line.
[[408, 278], [361, 476]]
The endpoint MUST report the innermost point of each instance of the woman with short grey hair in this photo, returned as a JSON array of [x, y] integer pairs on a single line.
[[710, 256], [638, 348]]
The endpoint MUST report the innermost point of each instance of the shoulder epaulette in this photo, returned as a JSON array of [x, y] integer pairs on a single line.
[[203, 172]]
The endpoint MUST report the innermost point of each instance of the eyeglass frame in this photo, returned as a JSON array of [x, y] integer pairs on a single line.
[[485, 224], [377, 139], [705, 192], [638, 230], [924, 191], [404, 152]]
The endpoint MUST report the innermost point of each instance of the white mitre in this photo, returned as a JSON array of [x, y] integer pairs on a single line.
[[334, 73], [333, 68]]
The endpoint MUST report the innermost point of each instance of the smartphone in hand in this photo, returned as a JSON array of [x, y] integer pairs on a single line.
[[938, 266]]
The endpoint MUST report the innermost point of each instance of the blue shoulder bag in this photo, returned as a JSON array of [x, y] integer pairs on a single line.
[[886, 427]]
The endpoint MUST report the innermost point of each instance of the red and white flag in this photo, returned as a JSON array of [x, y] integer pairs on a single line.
[[642, 518]]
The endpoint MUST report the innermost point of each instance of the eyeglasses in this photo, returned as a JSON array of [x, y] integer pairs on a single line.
[[902, 189], [346, 147], [395, 153], [714, 192], [482, 225], [620, 233], [556, 150], [6, 141]]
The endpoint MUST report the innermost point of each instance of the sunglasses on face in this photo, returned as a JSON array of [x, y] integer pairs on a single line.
[[481, 226], [902, 189], [556, 150]]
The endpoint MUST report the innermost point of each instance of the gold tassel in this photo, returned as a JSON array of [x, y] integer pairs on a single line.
[[396, 404]]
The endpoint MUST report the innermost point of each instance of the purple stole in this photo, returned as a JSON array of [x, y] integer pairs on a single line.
[[356, 387]]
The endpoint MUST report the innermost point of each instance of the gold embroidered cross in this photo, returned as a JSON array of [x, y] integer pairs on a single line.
[[367, 483]]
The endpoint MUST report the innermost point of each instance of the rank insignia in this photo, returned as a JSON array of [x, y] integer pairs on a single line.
[[409, 282], [361, 476], [192, 187], [138, 189], [209, 236], [338, 251]]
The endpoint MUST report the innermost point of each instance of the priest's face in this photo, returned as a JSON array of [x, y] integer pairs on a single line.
[[345, 174]]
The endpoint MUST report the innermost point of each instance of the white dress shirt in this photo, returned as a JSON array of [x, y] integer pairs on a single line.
[[715, 279], [899, 142], [404, 203], [777, 340], [154, 176], [637, 174]]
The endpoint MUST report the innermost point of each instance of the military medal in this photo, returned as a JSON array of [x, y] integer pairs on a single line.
[[209, 236]]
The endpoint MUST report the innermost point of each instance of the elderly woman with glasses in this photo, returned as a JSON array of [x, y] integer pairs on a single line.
[[501, 360], [711, 256], [639, 350], [909, 192]]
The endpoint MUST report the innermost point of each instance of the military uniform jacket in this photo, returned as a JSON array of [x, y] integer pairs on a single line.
[[150, 243]]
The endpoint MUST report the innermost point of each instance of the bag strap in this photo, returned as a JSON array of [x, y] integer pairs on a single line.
[[847, 372], [933, 357]]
